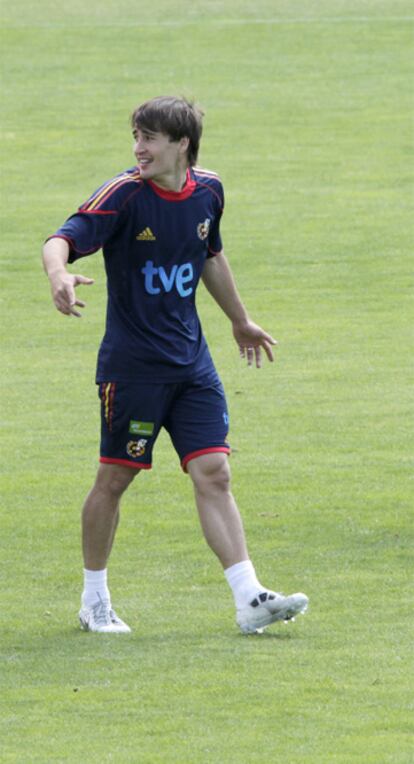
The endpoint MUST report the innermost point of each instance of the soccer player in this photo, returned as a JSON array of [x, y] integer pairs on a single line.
[[158, 225]]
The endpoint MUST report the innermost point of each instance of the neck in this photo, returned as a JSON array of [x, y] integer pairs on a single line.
[[172, 182]]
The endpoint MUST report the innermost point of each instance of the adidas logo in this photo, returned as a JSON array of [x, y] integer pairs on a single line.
[[146, 235]]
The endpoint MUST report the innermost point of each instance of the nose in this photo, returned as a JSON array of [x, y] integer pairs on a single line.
[[139, 145]]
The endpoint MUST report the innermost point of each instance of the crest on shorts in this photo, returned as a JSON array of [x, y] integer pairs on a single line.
[[203, 229], [136, 448]]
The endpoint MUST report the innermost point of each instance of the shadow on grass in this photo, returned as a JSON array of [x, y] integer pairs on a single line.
[[66, 655], [186, 637], [60, 639]]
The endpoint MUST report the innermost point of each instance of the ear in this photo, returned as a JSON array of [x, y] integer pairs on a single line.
[[184, 144]]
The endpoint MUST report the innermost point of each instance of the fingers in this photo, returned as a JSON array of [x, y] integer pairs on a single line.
[[82, 280], [248, 353], [268, 349], [64, 300], [64, 295], [268, 338], [251, 354], [74, 312], [254, 352]]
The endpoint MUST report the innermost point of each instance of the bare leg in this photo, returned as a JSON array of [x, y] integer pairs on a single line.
[[100, 515], [219, 517]]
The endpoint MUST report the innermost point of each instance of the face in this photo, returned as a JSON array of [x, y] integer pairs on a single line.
[[159, 158]]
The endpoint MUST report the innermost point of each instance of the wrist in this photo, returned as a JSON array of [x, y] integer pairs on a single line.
[[56, 271], [240, 321]]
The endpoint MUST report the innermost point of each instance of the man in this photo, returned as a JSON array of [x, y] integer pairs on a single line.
[[159, 227]]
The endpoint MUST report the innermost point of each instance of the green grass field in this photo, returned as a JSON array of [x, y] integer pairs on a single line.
[[309, 110]]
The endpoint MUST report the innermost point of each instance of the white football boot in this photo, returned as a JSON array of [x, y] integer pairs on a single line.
[[101, 617], [268, 607]]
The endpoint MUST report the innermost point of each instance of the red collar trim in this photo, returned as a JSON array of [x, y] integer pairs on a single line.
[[175, 196]]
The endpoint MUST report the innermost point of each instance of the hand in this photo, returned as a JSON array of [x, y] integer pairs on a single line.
[[251, 339], [63, 292]]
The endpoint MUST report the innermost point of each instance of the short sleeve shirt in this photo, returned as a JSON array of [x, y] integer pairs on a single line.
[[155, 244]]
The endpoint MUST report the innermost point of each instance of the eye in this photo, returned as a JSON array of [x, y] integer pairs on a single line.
[[137, 134]]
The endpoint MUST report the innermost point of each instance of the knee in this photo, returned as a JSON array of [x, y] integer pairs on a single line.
[[114, 479], [210, 473]]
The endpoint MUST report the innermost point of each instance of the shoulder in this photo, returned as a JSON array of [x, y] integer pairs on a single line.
[[114, 193], [209, 179]]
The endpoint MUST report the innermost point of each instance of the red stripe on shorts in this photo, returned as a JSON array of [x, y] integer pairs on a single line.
[[125, 463], [202, 451]]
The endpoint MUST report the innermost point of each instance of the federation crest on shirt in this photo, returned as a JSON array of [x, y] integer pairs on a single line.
[[203, 229], [136, 448]]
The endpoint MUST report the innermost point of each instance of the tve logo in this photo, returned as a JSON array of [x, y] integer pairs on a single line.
[[179, 275]]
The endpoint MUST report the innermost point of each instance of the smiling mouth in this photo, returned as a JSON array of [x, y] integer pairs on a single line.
[[144, 162]]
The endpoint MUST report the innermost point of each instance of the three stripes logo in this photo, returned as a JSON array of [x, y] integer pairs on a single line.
[[146, 235]]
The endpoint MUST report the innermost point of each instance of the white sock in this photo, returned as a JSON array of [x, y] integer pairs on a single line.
[[241, 577], [95, 587]]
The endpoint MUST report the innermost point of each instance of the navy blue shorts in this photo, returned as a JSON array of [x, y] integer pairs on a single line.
[[132, 413]]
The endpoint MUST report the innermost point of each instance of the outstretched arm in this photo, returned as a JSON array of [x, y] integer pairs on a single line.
[[219, 281], [62, 283]]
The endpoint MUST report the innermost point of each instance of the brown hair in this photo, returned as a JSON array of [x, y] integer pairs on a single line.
[[175, 117]]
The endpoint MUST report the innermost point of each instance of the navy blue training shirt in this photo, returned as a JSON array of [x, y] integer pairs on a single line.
[[155, 243]]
